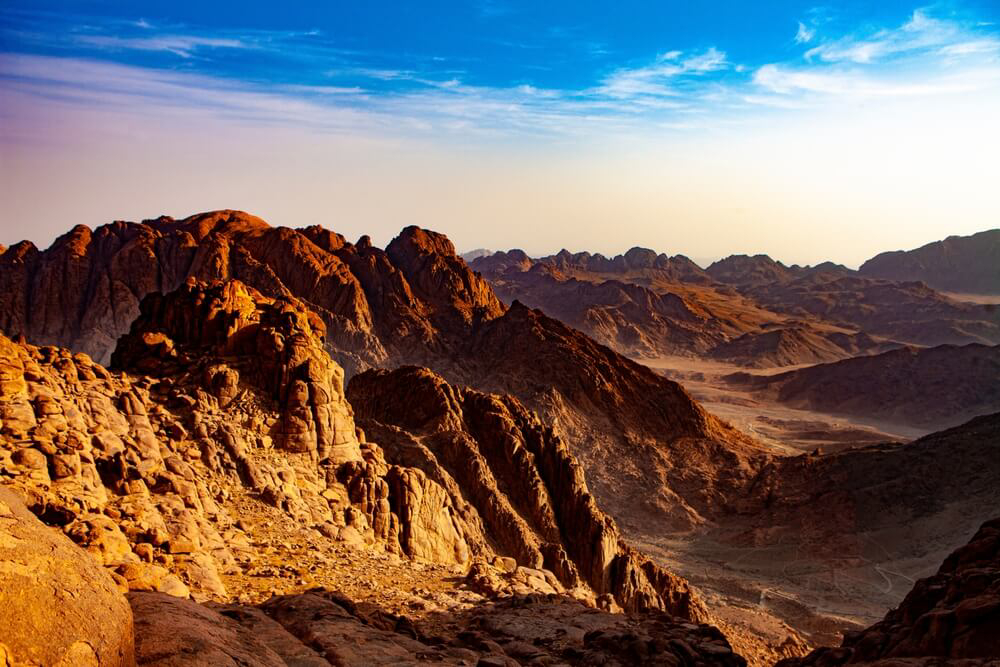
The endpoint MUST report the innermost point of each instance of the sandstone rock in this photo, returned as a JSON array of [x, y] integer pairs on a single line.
[[170, 631], [57, 606]]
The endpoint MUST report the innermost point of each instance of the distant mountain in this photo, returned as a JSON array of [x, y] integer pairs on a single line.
[[474, 254], [968, 264], [933, 387]]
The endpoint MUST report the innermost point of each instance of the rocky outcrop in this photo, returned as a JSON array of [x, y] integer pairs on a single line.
[[57, 606], [925, 388], [528, 494], [966, 264], [952, 616], [275, 345], [321, 627], [416, 302]]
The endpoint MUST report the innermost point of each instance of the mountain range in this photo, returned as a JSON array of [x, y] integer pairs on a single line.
[[287, 448]]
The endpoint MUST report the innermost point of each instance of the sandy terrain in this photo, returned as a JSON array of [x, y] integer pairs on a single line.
[[788, 430]]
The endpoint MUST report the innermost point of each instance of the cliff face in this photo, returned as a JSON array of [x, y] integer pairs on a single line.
[[521, 479]]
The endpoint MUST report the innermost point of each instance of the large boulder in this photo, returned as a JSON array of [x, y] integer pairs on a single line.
[[57, 605]]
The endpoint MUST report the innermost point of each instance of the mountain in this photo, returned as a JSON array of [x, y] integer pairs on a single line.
[[965, 264], [794, 345], [474, 254], [904, 312], [925, 388], [417, 303], [222, 458]]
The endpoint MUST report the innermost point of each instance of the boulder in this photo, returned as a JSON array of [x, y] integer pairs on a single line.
[[57, 605]]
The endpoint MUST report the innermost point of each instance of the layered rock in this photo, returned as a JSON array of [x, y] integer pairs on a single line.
[[57, 605], [952, 616]]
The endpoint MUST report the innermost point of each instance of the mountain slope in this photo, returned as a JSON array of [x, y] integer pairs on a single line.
[[927, 388], [416, 302], [967, 264]]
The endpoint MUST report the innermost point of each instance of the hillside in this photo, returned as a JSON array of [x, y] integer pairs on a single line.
[[964, 264]]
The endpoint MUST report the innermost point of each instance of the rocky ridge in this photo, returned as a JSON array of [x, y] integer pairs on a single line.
[[967, 264], [932, 388]]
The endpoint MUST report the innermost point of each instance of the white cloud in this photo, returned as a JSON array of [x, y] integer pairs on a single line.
[[804, 34], [660, 78], [921, 33], [181, 45]]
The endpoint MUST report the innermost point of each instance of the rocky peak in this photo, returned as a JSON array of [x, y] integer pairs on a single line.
[[526, 487], [276, 345], [441, 278]]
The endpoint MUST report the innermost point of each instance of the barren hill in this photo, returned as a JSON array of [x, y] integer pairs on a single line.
[[929, 388], [967, 264]]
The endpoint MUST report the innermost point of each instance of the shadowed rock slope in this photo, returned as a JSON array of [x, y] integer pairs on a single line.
[[926, 388], [968, 264], [951, 617]]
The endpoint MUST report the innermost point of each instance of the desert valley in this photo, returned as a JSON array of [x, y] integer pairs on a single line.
[[265, 445]]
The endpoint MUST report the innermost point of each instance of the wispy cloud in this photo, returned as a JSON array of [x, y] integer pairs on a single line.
[[184, 46], [804, 33], [661, 77], [675, 90], [922, 33]]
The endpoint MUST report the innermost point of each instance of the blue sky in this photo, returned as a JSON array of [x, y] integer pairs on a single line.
[[672, 104]]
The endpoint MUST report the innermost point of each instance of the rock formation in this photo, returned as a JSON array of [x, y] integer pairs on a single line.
[[520, 479], [925, 388]]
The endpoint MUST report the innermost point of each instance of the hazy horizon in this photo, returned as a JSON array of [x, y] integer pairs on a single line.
[[804, 132]]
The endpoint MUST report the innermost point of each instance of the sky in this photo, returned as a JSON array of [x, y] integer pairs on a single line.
[[806, 131]]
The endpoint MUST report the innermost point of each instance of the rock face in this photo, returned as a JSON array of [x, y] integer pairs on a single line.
[[648, 448], [926, 388], [321, 628], [526, 490], [57, 606], [951, 616], [968, 264]]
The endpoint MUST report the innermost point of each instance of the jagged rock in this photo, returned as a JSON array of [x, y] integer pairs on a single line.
[[527, 491], [279, 344], [57, 606]]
